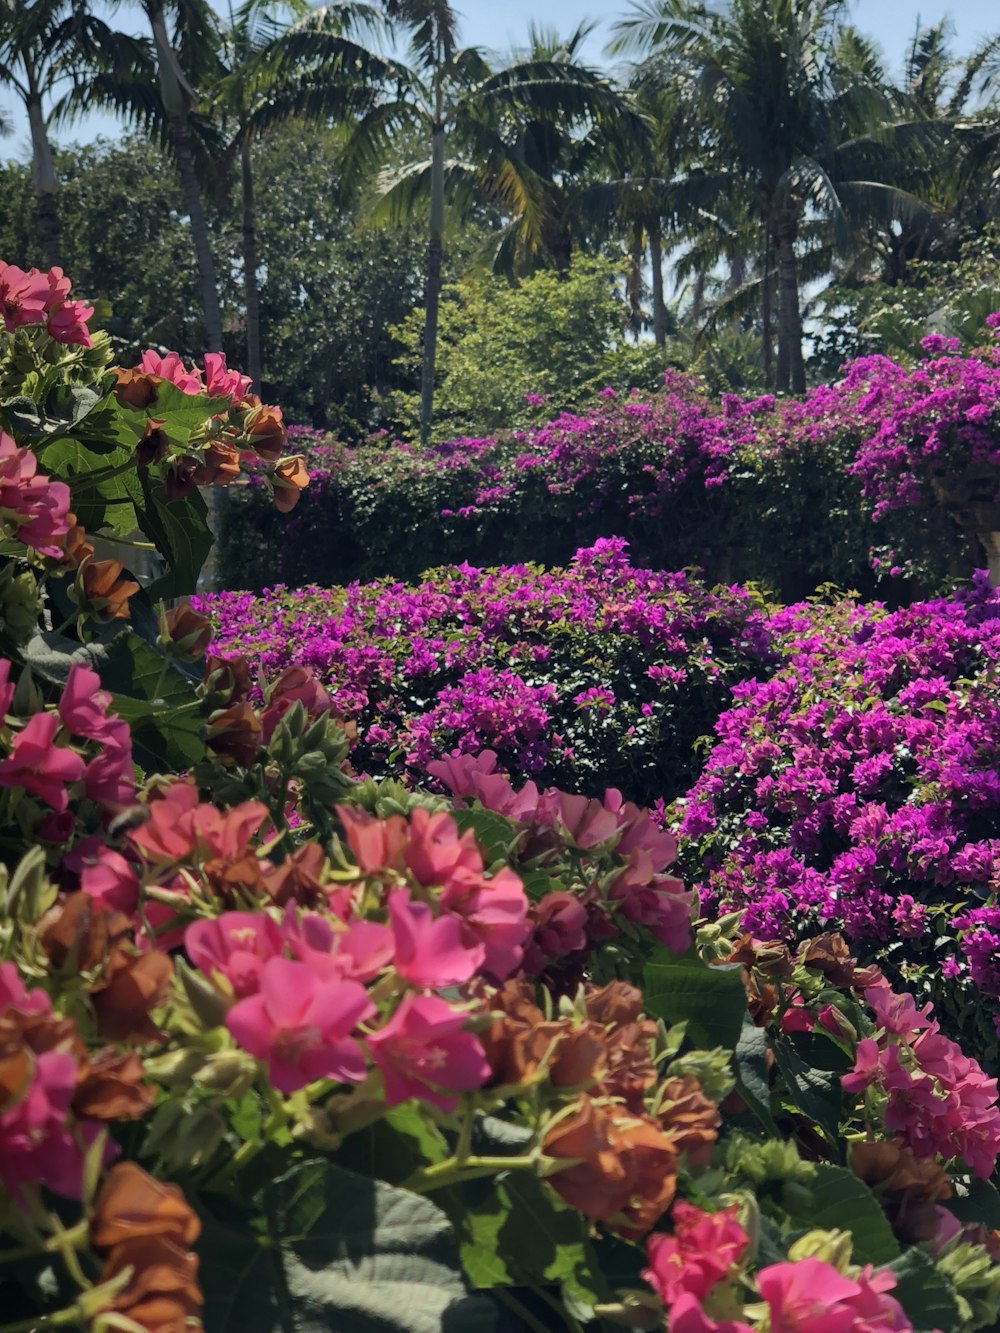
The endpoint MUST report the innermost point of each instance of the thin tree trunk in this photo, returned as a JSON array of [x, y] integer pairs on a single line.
[[177, 97], [435, 248], [633, 283], [45, 184], [791, 369], [767, 347], [251, 288], [656, 263]]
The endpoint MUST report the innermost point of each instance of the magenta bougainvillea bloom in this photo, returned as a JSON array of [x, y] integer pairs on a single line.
[[430, 952], [38, 765], [33, 509], [699, 1254], [236, 945], [302, 1027], [811, 1296], [423, 1051]]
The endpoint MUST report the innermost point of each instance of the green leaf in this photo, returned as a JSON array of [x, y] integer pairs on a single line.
[[181, 413], [710, 1000], [816, 1093], [840, 1201], [328, 1251], [925, 1293], [752, 1076], [179, 529], [979, 1201], [493, 832]]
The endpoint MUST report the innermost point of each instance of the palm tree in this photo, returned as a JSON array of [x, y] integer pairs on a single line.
[[514, 131], [313, 69], [44, 46], [785, 123]]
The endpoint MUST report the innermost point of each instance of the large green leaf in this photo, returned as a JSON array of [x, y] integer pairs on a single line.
[[838, 1200], [815, 1093], [179, 529], [752, 1074], [710, 1000], [181, 413], [925, 1294], [327, 1251], [977, 1201]]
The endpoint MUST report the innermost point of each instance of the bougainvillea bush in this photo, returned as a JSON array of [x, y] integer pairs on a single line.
[[843, 486], [599, 674], [859, 787], [285, 1049]]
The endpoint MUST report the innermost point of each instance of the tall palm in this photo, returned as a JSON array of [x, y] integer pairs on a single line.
[[513, 131], [313, 68], [45, 47], [784, 122]]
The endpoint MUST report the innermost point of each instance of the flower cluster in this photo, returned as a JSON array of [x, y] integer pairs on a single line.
[[33, 508], [32, 298], [858, 786], [496, 659]]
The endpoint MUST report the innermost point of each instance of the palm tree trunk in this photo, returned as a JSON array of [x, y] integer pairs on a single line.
[[435, 248], [176, 96], [45, 184], [633, 282], [791, 368], [656, 263], [251, 289], [767, 347]]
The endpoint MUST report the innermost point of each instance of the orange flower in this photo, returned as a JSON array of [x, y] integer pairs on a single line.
[[234, 734], [131, 1205], [76, 546], [690, 1118], [154, 445], [188, 633], [288, 480], [625, 1172], [908, 1188], [299, 877], [219, 466], [228, 676], [135, 388], [263, 428], [110, 1087], [80, 933], [103, 591], [162, 1295], [131, 987]]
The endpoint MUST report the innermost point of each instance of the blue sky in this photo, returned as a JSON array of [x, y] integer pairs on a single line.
[[503, 24]]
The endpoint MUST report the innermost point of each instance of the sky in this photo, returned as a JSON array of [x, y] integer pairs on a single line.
[[500, 25]]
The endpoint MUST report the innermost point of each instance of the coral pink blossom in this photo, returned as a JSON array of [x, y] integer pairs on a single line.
[[84, 705], [67, 323], [494, 913], [436, 850], [687, 1316], [32, 508], [109, 778], [430, 952], [111, 881], [221, 382], [6, 689], [24, 296], [38, 765], [302, 1026], [659, 902], [697, 1256], [179, 826], [357, 949], [812, 1297], [467, 775], [236, 945], [172, 368], [423, 1052], [376, 844]]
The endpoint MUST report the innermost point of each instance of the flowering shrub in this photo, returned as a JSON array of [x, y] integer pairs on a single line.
[[506, 659], [858, 787]]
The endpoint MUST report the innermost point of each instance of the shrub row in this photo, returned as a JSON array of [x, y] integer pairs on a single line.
[[781, 493]]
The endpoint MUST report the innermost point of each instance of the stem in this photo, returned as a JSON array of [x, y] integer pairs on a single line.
[[124, 541], [75, 1236], [464, 1145], [453, 1172], [61, 1318], [96, 478], [512, 1303]]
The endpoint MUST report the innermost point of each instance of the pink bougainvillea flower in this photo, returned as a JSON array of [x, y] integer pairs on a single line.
[[356, 949], [111, 881], [23, 296], [686, 1315], [40, 766], [109, 778], [221, 382], [236, 945], [172, 368], [424, 1052], [302, 1026], [661, 903], [179, 826], [436, 850], [36, 1141], [6, 689], [376, 844], [33, 508], [700, 1253], [67, 323], [430, 952], [494, 913], [812, 1297], [84, 705]]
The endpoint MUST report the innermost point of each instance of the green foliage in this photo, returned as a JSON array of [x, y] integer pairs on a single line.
[[557, 336]]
